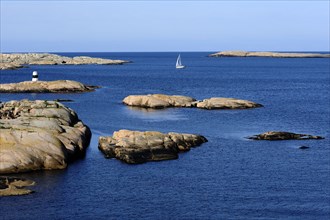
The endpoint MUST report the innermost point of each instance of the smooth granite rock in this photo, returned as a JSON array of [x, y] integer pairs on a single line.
[[51, 59], [227, 103], [165, 101], [282, 135], [58, 86], [159, 101], [268, 54], [12, 186], [138, 147], [36, 135]]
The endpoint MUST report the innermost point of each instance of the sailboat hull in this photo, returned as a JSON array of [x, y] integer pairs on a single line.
[[180, 67]]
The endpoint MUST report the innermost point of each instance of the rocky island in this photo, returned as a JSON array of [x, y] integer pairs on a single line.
[[37, 135], [58, 86], [18, 60], [138, 147], [268, 54], [159, 101], [283, 135]]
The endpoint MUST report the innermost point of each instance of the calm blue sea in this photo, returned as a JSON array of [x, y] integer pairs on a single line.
[[229, 177]]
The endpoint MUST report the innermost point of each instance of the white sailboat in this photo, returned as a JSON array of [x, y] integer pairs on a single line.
[[178, 63]]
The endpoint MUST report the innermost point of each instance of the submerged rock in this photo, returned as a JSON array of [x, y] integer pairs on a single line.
[[165, 101], [51, 59], [226, 103], [268, 54], [139, 147], [282, 135], [12, 186], [36, 135], [303, 147], [159, 101], [58, 86]]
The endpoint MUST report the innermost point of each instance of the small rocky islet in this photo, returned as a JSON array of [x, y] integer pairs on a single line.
[[13, 186], [159, 101], [57, 86], [18, 60], [283, 135], [136, 147]]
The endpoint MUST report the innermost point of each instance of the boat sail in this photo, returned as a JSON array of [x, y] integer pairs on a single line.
[[178, 63]]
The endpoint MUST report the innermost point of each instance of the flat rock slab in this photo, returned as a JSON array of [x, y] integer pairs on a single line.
[[268, 54], [12, 186], [135, 147], [37, 135], [13, 61], [166, 101], [58, 86], [159, 101], [227, 103], [282, 135]]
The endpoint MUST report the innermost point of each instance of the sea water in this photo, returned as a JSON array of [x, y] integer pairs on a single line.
[[227, 177]]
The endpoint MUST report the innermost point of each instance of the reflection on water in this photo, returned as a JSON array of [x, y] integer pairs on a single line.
[[150, 114]]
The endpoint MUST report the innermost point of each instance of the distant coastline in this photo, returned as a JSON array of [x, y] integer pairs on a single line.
[[268, 54], [18, 60]]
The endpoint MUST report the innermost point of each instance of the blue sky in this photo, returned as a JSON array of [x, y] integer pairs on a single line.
[[115, 26]]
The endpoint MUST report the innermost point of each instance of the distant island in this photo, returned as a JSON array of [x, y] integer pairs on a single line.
[[18, 60], [268, 54]]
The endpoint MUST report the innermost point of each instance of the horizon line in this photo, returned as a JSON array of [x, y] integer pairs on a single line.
[[190, 51]]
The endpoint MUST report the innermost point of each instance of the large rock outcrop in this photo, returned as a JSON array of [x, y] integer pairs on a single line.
[[20, 59], [12, 186], [165, 101], [58, 86], [159, 101], [268, 54], [139, 147], [37, 135], [283, 135]]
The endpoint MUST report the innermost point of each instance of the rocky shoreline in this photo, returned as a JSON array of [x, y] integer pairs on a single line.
[[268, 54], [19, 60], [159, 101], [58, 86], [39, 135]]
